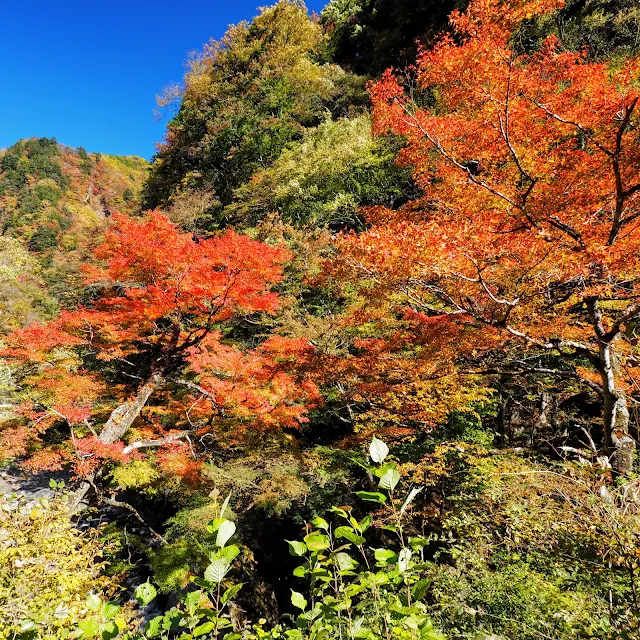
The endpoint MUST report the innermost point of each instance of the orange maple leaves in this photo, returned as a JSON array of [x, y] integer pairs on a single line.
[[160, 301], [530, 169]]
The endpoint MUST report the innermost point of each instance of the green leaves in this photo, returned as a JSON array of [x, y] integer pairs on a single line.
[[297, 548], [94, 602], [109, 610], [225, 531], [109, 631], [389, 480], [385, 556], [339, 583], [217, 570], [348, 534], [90, 628], [231, 592], [145, 593], [101, 625], [419, 589], [230, 552], [154, 627], [378, 450], [298, 600], [320, 523], [204, 628], [372, 496], [344, 561], [316, 541]]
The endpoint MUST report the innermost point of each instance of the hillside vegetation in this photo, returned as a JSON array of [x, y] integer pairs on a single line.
[[355, 357]]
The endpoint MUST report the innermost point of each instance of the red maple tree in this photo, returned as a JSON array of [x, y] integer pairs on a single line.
[[528, 231], [155, 327]]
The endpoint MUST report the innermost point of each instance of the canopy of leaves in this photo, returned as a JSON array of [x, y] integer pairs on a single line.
[[607, 29], [515, 156], [23, 295], [162, 302], [326, 177], [47, 568], [244, 99]]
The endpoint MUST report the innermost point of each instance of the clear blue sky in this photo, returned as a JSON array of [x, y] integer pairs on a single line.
[[88, 71]]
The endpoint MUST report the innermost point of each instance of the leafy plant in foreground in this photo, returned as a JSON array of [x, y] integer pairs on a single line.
[[356, 591]]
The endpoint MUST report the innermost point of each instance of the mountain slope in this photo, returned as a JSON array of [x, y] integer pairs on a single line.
[[54, 201]]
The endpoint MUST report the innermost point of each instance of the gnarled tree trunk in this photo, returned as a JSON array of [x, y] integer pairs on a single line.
[[122, 417]]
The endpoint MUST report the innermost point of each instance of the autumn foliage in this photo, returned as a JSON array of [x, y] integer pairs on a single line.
[[155, 328], [528, 228]]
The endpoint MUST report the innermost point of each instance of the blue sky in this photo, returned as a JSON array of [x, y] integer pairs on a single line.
[[88, 71]]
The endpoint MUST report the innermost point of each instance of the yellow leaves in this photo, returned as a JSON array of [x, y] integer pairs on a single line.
[[46, 567], [138, 474]]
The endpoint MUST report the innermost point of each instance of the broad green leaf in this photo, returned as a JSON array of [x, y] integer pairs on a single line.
[[154, 627], [379, 578], [109, 631], [217, 570], [378, 450], [94, 602], [214, 525], [420, 589], [200, 630], [320, 523], [229, 552], [301, 571], [365, 523], [109, 610], [231, 592], [90, 628], [340, 511], [297, 548], [349, 534], [344, 561], [385, 556], [311, 615], [192, 599], [145, 593], [201, 582], [27, 625], [419, 542], [316, 541], [298, 600], [382, 469], [225, 531], [389, 480], [372, 496]]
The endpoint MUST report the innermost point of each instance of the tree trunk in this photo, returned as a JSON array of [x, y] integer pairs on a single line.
[[122, 417], [617, 441]]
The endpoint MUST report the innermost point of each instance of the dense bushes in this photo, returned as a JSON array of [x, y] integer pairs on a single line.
[[47, 568]]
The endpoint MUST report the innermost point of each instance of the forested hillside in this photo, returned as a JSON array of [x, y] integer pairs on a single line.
[[354, 357], [54, 203]]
